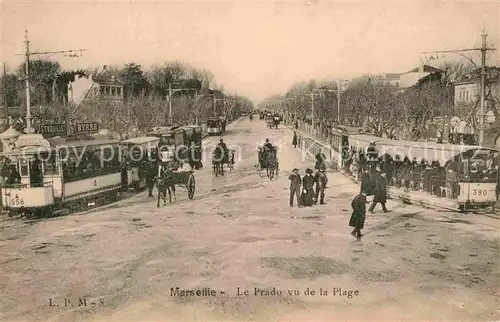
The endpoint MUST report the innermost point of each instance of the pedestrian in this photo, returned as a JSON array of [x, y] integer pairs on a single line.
[[321, 181], [380, 193], [295, 183], [366, 185], [295, 139], [358, 215], [307, 188], [296, 124], [150, 179]]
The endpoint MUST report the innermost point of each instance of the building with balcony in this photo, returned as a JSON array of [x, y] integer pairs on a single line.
[[88, 89]]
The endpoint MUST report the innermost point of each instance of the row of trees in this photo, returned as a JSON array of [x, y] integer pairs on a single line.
[[146, 95], [384, 109]]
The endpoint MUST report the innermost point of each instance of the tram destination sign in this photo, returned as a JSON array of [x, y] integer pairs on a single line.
[[53, 130], [86, 128]]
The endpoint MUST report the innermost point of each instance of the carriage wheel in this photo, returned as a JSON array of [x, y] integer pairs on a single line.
[[191, 186]]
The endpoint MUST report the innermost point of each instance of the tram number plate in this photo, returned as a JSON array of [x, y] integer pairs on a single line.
[[17, 202], [479, 192]]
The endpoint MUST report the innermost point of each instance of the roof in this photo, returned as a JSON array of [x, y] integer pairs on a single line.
[[162, 130], [347, 129], [141, 140], [97, 141], [426, 69], [429, 151], [363, 140], [10, 133]]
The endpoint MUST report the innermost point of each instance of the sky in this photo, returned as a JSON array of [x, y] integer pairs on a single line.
[[254, 48]]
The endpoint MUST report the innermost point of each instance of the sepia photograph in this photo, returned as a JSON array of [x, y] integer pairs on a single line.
[[239, 160]]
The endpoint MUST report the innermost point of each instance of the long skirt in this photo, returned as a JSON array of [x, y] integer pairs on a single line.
[[307, 198], [357, 220]]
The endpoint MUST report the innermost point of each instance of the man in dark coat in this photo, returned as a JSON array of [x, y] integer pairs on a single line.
[[321, 181], [295, 182], [295, 139], [150, 178], [366, 184], [358, 215], [380, 193], [307, 188]]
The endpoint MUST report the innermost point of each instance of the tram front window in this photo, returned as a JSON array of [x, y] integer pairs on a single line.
[[36, 174], [24, 168]]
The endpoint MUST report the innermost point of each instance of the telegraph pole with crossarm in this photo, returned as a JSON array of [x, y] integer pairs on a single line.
[[484, 49], [72, 53]]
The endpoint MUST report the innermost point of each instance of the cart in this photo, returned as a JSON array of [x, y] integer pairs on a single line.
[[183, 178], [261, 163]]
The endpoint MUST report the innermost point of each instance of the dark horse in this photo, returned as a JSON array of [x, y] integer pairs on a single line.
[[218, 161], [271, 164], [165, 183]]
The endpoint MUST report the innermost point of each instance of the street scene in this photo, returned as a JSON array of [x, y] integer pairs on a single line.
[[240, 171]]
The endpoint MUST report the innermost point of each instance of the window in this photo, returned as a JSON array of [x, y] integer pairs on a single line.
[[113, 91], [119, 91], [24, 167], [467, 96], [102, 90], [49, 163]]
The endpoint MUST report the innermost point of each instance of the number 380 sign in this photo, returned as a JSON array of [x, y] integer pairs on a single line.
[[479, 192]]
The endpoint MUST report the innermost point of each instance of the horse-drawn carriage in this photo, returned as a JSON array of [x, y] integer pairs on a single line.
[[183, 143], [169, 176], [267, 159], [221, 158]]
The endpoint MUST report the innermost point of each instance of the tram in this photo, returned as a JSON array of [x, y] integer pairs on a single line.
[[139, 153], [214, 126], [464, 175], [340, 144], [44, 175]]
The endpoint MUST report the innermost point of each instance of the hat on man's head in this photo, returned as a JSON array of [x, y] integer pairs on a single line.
[[309, 171], [295, 169]]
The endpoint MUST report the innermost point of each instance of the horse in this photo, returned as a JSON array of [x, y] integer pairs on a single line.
[[165, 183], [271, 164], [218, 161]]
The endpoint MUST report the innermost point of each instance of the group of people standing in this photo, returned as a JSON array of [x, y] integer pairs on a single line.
[[311, 188]]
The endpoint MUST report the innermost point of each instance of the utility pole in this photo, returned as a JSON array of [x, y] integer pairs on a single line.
[[29, 129], [339, 90], [215, 104], [483, 78], [484, 49], [172, 91], [5, 102], [312, 107]]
